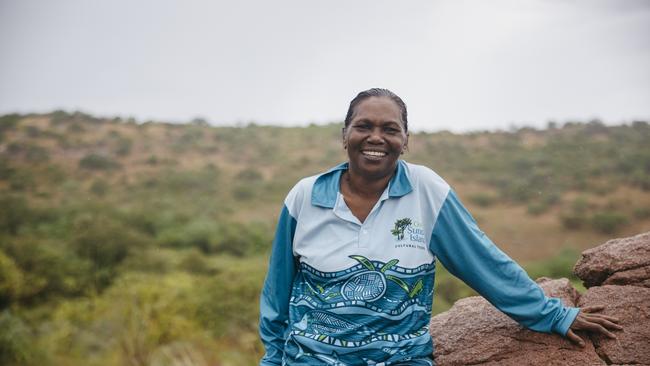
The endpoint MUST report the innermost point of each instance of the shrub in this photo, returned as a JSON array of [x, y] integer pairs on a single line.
[[642, 212], [123, 146], [244, 192], [14, 214], [249, 175], [228, 305], [537, 208], [212, 237], [560, 265], [48, 269], [99, 187], [103, 240], [608, 222], [16, 340], [199, 233], [6, 170], [59, 117], [573, 221], [11, 280], [240, 239], [194, 262], [7, 123], [22, 180], [483, 199], [98, 162]]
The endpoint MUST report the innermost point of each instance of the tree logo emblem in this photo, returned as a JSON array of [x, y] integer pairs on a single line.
[[400, 226]]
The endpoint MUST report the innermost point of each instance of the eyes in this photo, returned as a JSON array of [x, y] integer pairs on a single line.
[[390, 129]]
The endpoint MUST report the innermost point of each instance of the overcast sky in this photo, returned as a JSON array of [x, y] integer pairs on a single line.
[[458, 65]]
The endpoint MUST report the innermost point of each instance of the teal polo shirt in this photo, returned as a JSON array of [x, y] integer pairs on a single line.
[[344, 292]]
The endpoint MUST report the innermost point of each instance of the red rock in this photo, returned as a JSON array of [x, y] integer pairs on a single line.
[[618, 257], [474, 332], [631, 304], [636, 277]]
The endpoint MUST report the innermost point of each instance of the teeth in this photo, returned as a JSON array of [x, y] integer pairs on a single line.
[[374, 153]]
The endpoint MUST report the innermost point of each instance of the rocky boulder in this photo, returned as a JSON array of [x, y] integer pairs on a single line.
[[631, 305], [623, 261], [473, 332]]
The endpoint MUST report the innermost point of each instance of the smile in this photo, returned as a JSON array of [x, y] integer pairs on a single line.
[[378, 154]]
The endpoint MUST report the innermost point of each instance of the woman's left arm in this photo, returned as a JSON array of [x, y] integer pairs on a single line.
[[471, 256]]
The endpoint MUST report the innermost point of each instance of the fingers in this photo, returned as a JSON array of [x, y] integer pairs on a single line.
[[592, 308], [589, 311], [597, 328], [607, 317], [608, 322], [575, 339]]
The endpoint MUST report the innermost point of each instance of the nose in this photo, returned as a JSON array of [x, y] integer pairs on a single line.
[[375, 136]]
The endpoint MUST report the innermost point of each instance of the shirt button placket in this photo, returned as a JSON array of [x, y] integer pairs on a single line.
[[364, 237]]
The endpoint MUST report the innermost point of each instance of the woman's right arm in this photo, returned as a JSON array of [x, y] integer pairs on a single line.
[[274, 301]]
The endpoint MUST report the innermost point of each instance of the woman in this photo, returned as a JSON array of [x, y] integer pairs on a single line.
[[351, 275]]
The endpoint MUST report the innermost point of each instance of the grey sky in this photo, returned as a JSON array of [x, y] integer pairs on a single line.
[[459, 65]]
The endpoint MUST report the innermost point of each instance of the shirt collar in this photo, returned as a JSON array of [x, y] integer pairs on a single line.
[[327, 185]]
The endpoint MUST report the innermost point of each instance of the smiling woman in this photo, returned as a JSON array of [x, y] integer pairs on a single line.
[[363, 295]]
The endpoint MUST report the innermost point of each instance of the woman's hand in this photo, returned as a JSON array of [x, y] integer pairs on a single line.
[[596, 323]]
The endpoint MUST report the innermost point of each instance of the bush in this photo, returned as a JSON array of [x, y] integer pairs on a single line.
[[241, 239], [7, 123], [249, 175], [483, 199], [244, 192], [642, 212], [195, 263], [199, 233], [98, 162], [11, 281], [99, 187], [229, 303], [103, 240], [608, 222], [573, 221], [576, 218], [48, 269], [6, 170], [16, 340], [14, 213], [561, 265], [212, 237], [537, 208], [123, 146]]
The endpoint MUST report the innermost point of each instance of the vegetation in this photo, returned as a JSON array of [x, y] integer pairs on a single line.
[[137, 244]]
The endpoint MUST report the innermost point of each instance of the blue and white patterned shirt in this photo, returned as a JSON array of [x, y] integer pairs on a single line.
[[342, 292]]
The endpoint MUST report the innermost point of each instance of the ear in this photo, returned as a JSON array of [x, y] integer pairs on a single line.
[[344, 139], [405, 148]]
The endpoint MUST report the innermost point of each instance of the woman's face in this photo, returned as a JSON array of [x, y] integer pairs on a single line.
[[375, 138]]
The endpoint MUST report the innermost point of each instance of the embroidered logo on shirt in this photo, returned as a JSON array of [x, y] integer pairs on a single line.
[[410, 232], [400, 226]]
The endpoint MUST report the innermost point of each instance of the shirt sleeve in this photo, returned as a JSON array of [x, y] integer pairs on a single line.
[[471, 256], [274, 300]]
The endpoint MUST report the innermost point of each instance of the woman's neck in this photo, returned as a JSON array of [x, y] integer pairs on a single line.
[[365, 187]]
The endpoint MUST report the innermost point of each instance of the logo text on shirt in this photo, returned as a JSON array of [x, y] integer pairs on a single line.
[[409, 232]]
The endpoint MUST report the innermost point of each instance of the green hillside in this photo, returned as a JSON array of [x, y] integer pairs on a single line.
[[125, 243]]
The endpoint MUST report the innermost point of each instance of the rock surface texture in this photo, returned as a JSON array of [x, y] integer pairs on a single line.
[[623, 261], [617, 273]]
